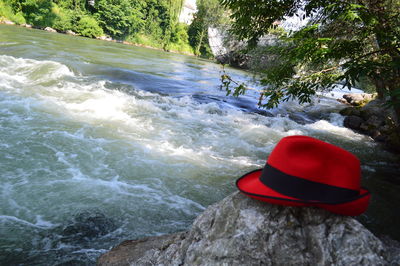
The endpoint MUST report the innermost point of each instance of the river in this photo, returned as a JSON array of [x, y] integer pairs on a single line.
[[102, 142]]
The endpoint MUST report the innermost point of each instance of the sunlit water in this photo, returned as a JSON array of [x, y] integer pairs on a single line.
[[102, 142]]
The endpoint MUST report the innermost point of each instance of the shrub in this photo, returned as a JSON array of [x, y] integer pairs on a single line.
[[6, 11], [39, 12], [18, 18], [88, 26], [63, 21], [179, 40], [179, 33], [119, 18]]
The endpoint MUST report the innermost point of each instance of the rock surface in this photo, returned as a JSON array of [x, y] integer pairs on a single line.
[[242, 231], [26, 26], [50, 29], [8, 22], [3, 20], [353, 122], [70, 32], [359, 99], [234, 59], [104, 38], [376, 121]]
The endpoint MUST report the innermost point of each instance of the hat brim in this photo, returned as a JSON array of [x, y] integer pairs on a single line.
[[250, 185]]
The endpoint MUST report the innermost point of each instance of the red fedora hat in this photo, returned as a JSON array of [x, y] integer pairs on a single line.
[[304, 171]]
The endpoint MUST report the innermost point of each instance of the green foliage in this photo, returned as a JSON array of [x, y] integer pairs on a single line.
[[197, 34], [14, 4], [145, 40], [179, 39], [344, 41], [148, 22], [7, 12], [64, 19], [179, 33], [209, 14], [88, 26], [156, 18], [79, 5], [38, 12], [365, 84], [119, 18]]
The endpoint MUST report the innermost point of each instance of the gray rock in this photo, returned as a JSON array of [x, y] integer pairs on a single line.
[[342, 101], [378, 136], [130, 251], [234, 59], [242, 231], [350, 111], [375, 121], [70, 32], [104, 38], [392, 250], [376, 108], [353, 122], [26, 26], [8, 22], [365, 128], [359, 99], [50, 29]]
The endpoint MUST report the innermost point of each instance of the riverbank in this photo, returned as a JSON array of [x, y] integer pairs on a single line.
[[371, 116], [102, 38]]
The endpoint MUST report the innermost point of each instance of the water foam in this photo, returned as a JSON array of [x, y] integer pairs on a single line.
[[152, 161]]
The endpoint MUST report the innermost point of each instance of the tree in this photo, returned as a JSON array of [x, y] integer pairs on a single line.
[[343, 42], [119, 18], [160, 18], [209, 13], [38, 12]]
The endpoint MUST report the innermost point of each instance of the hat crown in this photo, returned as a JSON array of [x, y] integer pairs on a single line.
[[317, 161]]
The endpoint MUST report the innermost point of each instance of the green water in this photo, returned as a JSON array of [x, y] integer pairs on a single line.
[[102, 142]]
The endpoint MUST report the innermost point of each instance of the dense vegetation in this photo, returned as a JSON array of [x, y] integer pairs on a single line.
[[149, 22], [343, 42], [210, 13]]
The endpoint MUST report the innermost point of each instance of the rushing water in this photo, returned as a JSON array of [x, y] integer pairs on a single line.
[[102, 142]]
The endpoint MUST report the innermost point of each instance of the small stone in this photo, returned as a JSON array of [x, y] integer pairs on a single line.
[[359, 99], [342, 101], [70, 32], [8, 22], [104, 38], [50, 29]]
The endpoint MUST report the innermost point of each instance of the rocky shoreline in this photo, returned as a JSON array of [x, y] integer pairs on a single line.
[[242, 231], [368, 115]]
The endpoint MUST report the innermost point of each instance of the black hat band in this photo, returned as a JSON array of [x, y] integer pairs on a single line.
[[300, 188]]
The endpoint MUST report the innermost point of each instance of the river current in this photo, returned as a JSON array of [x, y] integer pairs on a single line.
[[102, 142]]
